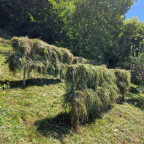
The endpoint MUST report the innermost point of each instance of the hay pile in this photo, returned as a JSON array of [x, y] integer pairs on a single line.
[[31, 54], [93, 89], [34, 53]]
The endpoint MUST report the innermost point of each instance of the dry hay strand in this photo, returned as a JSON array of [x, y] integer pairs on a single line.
[[20, 45], [92, 90]]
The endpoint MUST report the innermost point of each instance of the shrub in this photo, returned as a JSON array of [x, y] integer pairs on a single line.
[[137, 70], [92, 90]]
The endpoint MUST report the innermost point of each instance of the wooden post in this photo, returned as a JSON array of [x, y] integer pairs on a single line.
[[28, 73], [24, 77], [60, 71], [60, 75]]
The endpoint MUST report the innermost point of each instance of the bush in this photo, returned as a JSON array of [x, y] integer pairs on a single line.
[[137, 70], [93, 89]]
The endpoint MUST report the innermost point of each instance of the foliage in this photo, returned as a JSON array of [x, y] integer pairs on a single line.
[[4, 34], [93, 89], [44, 19], [137, 69], [94, 27], [130, 42]]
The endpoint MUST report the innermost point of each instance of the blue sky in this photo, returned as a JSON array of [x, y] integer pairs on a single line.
[[136, 10]]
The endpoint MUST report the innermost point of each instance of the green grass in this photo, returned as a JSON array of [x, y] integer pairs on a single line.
[[35, 115]]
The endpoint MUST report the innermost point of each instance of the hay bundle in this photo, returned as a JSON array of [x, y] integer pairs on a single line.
[[31, 54], [92, 90], [123, 80]]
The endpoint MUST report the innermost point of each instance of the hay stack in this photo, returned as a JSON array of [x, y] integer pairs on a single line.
[[93, 89], [31, 54], [122, 80]]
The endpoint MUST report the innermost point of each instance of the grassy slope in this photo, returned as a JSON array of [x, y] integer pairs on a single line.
[[36, 115]]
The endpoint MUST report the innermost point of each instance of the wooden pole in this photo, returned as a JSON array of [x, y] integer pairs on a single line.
[[24, 77]]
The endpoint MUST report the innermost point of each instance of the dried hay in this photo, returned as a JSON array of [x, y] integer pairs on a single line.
[[36, 54], [123, 80], [92, 90]]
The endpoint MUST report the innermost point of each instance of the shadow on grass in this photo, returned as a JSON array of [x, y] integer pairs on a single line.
[[60, 126], [4, 53], [30, 82], [56, 127], [134, 90], [137, 102], [135, 99]]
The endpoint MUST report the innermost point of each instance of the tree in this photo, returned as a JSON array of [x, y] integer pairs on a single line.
[[130, 41], [43, 19], [95, 26], [137, 70]]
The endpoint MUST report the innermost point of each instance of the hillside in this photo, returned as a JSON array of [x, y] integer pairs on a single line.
[[36, 114]]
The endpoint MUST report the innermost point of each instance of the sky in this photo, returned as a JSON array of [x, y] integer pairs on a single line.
[[136, 10]]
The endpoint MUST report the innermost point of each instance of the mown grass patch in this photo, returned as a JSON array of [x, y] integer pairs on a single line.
[[10, 130], [122, 124]]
